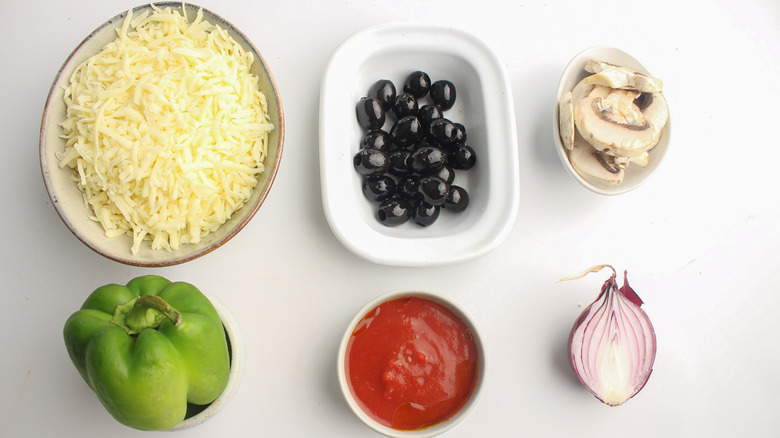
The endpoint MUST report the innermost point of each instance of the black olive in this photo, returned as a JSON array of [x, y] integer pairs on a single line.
[[406, 131], [405, 105], [371, 162], [418, 83], [442, 130], [409, 187], [443, 94], [400, 162], [427, 159], [376, 139], [427, 142], [457, 199], [461, 157], [425, 214], [434, 190], [394, 211], [460, 134], [446, 173], [427, 114], [370, 113], [378, 188], [384, 91]]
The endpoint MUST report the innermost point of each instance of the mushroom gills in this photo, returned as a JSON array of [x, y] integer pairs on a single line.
[[613, 76], [594, 166]]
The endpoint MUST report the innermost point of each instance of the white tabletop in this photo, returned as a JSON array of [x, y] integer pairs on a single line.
[[700, 239]]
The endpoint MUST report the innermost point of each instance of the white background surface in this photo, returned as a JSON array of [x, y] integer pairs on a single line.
[[701, 238]]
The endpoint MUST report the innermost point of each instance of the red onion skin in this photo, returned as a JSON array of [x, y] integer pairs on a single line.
[[617, 312]]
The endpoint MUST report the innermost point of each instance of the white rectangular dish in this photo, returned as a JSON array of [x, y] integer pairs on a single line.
[[484, 105]]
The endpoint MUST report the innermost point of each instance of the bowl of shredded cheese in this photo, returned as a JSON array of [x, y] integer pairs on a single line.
[[161, 136]]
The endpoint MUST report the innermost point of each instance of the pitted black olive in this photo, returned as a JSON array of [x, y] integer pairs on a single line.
[[409, 187], [427, 114], [384, 91], [427, 142], [418, 83], [406, 131], [427, 160], [370, 113], [433, 190], [445, 172], [394, 211], [400, 162], [457, 199], [405, 105], [379, 188], [370, 162], [425, 214], [461, 157], [376, 139], [443, 94], [442, 130], [460, 134]]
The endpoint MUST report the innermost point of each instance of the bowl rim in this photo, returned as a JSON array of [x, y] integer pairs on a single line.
[[271, 169], [436, 429], [575, 63]]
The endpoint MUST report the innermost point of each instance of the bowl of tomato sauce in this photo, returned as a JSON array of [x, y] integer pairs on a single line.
[[411, 364]]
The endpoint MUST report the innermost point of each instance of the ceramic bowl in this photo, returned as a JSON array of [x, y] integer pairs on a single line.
[[432, 430], [67, 198], [573, 74], [483, 104], [198, 415]]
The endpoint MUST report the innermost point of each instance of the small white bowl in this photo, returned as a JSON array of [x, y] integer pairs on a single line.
[[237, 360], [573, 74], [435, 429], [483, 105], [67, 198]]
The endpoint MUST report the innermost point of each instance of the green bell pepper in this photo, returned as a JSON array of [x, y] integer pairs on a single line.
[[148, 349]]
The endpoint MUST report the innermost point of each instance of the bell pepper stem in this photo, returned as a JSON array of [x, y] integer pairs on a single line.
[[147, 311]]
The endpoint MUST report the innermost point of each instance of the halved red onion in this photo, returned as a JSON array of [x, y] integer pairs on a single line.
[[612, 344]]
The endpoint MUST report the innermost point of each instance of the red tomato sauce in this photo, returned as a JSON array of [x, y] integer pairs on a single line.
[[411, 363]]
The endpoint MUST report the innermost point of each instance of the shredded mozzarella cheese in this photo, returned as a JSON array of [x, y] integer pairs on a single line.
[[166, 128]]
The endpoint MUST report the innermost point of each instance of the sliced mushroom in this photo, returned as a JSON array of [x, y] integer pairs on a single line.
[[642, 160], [583, 90], [566, 116], [613, 76], [594, 166], [566, 108], [615, 124], [655, 109]]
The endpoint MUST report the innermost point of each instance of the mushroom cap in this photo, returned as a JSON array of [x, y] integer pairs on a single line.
[[615, 124]]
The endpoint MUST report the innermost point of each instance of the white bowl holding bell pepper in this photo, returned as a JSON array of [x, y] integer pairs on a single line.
[[159, 355], [483, 105]]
